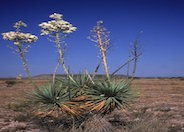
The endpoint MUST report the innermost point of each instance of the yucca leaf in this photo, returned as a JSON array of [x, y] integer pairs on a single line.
[[114, 93]]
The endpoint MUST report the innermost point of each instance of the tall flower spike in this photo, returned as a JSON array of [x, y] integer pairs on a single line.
[[56, 25], [19, 39], [100, 36], [55, 28]]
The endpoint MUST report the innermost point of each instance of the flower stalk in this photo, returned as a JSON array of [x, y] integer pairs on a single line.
[[54, 28], [101, 36], [55, 71], [58, 43], [19, 40], [25, 65], [102, 50]]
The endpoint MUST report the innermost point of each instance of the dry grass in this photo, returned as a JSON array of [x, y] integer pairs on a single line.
[[162, 98]]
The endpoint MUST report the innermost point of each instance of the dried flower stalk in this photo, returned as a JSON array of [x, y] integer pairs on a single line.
[[101, 37]]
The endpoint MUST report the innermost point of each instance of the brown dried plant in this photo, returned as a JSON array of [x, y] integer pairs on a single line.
[[101, 36]]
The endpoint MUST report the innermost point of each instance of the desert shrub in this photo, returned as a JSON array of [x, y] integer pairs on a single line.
[[19, 106], [77, 87], [106, 96], [10, 83], [99, 96], [85, 97], [97, 124], [24, 117], [51, 99]]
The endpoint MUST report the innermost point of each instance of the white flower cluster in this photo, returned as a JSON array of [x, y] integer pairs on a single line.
[[57, 25], [56, 16], [19, 24], [19, 38]]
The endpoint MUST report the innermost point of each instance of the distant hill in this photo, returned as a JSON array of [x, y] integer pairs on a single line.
[[98, 76], [49, 76]]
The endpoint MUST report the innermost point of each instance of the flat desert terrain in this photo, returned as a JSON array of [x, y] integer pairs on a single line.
[[159, 98]]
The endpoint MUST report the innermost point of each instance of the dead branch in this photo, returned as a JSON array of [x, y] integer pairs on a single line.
[[124, 65], [96, 70], [128, 67], [135, 51]]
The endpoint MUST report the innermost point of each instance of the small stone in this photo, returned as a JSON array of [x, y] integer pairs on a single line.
[[136, 119], [13, 126], [148, 110], [165, 109]]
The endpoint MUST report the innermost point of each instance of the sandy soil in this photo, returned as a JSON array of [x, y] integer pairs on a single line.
[[162, 97]]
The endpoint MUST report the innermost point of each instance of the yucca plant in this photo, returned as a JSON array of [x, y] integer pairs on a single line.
[[106, 96], [77, 87], [51, 98], [83, 82], [77, 90]]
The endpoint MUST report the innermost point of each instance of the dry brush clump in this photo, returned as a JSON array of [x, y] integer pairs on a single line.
[[82, 95]]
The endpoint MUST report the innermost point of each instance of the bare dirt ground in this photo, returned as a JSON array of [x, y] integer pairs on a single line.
[[163, 98]]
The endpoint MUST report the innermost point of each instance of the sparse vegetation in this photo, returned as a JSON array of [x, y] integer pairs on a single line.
[[10, 83], [81, 98], [147, 110]]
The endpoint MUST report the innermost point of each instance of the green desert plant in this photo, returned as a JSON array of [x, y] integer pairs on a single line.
[[79, 86], [46, 95], [83, 82], [106, 96], [52, 98]]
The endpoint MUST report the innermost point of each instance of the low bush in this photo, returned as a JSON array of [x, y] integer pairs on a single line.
[[106, 96], [10, 83]]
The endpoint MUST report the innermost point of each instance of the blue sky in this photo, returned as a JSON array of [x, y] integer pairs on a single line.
[[162, 22]]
